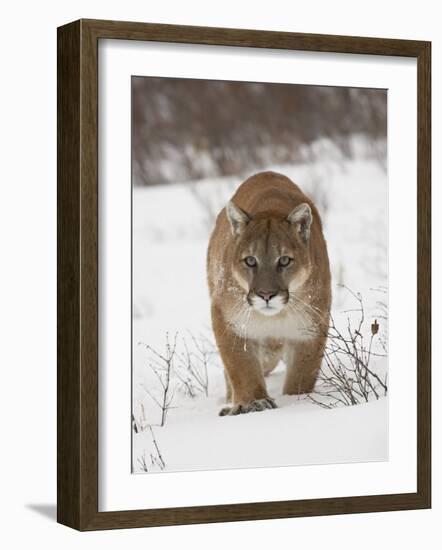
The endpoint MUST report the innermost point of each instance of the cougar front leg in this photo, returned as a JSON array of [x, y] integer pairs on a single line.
[[243, 371], [303, 360], [229, 392]]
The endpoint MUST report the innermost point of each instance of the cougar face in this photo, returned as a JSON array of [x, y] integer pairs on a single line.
[[271, 256]]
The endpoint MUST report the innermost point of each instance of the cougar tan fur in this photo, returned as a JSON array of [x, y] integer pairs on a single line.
[[269, 283]]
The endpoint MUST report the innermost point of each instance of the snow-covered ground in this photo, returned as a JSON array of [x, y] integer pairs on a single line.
[[171, 228]]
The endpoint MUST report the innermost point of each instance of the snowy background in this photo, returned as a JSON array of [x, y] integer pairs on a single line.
[[178, 382]]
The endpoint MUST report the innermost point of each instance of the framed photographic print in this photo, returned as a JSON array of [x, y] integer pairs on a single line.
[[243, 274]]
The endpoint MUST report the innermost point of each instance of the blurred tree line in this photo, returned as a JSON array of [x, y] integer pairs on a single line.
[[185, 129]]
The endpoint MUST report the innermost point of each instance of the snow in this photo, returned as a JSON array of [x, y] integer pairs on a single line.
[[171, 227], [298, 432]]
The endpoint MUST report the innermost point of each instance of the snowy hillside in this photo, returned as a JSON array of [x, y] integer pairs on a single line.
[[171, 227]]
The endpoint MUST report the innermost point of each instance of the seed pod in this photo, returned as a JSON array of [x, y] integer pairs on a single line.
[[375, 327]]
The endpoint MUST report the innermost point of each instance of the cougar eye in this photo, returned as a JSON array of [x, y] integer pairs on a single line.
[[250, 261], [284, 261]]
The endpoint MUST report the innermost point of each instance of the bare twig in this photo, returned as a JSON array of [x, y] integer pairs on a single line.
[[162, 367], [158, 459], [347, 377]]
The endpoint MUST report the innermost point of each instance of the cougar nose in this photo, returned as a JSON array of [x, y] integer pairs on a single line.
[[266, 295]]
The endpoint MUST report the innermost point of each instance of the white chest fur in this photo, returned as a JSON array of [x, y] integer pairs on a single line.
[[286, 326]]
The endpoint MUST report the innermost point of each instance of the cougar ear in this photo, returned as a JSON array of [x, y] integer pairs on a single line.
[[237, 217], [301, 216]]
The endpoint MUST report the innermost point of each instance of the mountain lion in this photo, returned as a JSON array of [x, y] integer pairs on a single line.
[[269, 283]]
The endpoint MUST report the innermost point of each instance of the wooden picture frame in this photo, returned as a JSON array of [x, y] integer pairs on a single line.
[[77, 226]]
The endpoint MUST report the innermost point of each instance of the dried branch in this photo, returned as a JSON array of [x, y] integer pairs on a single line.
[[347, 377], [162, 367]]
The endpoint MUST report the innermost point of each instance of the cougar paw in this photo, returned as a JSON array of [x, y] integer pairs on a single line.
[[253, 406]]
